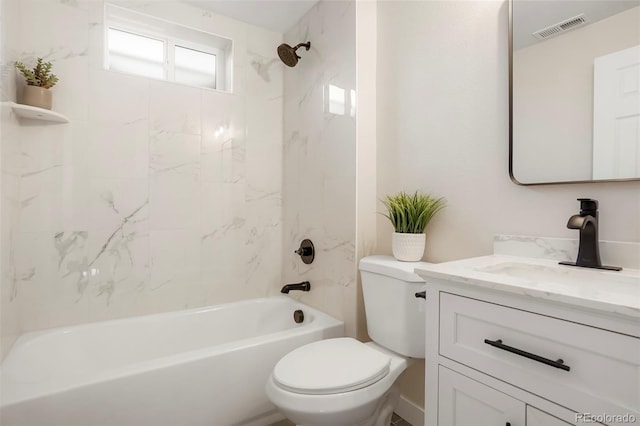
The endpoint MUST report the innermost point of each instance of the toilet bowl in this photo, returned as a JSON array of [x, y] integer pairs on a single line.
[[344, 382], [336, 382]]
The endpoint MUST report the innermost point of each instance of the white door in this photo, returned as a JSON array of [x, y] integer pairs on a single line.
[[616, 115], [465, 402]]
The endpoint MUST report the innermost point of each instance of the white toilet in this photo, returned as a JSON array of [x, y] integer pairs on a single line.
[[343, 382]]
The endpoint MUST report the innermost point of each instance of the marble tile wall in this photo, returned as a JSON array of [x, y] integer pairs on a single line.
[[139, 204], [9, 187], [319, 185]]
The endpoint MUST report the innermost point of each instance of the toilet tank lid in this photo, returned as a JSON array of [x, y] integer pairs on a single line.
[[390, 266]]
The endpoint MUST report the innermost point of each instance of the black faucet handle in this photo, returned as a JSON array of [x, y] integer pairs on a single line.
[[587, 223], [306, 251], [588, 206]]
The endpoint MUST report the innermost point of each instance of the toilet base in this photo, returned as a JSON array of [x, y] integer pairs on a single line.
[[381, 416], [372, 405], [387, 405]]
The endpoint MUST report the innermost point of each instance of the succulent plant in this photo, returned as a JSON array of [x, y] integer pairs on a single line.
[[40, 75]]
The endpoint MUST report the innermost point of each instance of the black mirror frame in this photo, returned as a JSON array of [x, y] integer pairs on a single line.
[[511, 172]]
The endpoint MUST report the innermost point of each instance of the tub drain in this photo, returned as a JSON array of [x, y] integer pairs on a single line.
[[298, 316]]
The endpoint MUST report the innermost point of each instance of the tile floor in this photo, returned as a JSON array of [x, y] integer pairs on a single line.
[[396, 420]]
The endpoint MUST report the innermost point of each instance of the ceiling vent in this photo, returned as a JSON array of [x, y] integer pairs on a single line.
[[560, 27]]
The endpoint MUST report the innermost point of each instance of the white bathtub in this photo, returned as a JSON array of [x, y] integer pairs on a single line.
[[205, 366]]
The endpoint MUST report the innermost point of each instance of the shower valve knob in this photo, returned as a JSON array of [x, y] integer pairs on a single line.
[[306, 251], [303, 251]]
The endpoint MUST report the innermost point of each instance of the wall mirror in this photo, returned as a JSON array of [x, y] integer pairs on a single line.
[[574, 91]]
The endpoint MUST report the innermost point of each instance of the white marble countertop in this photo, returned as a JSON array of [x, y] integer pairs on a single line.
[[615, 292]]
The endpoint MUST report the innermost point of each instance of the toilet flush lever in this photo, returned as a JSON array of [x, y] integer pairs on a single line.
[[421, 294]]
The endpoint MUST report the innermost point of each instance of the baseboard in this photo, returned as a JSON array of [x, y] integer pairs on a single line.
[[410, 412]]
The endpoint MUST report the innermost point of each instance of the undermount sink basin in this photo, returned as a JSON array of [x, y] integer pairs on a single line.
[[559, 274]]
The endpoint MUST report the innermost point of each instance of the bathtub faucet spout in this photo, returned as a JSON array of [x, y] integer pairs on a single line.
[[303, 286]]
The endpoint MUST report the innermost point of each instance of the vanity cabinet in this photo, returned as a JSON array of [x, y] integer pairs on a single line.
[[536, 417], [463, 401], [495, 358], [466, 402]]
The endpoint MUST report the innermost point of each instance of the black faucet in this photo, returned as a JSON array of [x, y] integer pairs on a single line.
[[587, 223], [303, 286]]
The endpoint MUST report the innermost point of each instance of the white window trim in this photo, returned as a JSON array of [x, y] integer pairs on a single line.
[[169, 50]]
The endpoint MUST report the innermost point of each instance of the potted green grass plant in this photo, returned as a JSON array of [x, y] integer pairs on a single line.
[[39, 80], [410, 215]]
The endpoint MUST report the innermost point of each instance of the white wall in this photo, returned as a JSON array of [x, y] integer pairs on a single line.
[[319, 160], [136, 206], [442, 128], [553, 84]]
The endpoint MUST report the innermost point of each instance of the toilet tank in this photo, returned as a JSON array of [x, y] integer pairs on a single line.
[[395, 316]]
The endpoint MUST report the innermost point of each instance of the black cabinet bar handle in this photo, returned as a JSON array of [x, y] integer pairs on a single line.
[[559, 363], [422, 294]]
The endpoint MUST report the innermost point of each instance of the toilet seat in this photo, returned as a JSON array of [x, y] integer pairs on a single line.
[[331, 366]]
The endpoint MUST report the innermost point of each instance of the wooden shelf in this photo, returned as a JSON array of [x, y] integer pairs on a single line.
[[34, 113]]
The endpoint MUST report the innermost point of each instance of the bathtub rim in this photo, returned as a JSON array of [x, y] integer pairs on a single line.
[[24, 392]]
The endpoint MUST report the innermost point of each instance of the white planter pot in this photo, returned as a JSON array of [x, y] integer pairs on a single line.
[[408, 247]]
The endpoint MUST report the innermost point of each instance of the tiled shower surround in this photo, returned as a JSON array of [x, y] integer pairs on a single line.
[[158, 196], [140, 204], [319, 181]]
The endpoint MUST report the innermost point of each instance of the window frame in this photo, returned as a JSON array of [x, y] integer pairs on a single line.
[[169, 43], [126, 29], [171, 59]]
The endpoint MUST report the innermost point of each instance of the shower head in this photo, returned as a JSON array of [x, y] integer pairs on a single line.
[[288, 54]]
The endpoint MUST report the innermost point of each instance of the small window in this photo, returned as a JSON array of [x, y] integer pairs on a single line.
[[142, 45], [135, 54], [195, 67]]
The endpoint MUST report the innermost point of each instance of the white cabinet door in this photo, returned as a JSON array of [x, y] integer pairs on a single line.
[[536, 417], [466, 402]]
